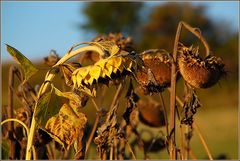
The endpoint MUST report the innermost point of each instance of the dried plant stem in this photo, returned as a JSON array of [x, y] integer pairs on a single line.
[[95, 105], [18, 121], [117, 96], [203, 141], [182, 143], [50, 152], [111, 152], [10, 113], [78, 51], [92, 134], [130, 149], [197, 33], [172, 143], [165, 113], [25, 127], [198, 132], [187, 146]]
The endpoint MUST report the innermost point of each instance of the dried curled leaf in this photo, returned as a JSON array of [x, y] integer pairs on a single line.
[[75, 101], [52, 58], [27, 66], [132, 99], [65, 126], [67, 70], [191, 104]]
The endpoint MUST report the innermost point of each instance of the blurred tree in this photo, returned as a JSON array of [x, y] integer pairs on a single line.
[[108, 17], [160, 30]]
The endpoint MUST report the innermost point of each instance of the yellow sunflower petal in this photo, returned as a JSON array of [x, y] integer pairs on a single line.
[[95, 72]]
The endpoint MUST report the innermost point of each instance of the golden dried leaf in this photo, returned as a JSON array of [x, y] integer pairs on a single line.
[[65, 126]]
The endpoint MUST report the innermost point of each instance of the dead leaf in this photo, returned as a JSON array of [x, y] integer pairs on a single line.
[[66, 125], [67, 70]]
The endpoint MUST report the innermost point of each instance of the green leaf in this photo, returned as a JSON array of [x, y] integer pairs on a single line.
[[42, 109], [27, 66]]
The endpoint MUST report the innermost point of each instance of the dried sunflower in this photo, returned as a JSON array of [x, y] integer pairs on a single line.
[[151, 114], [156, 75], [116, 66], [198, 72]]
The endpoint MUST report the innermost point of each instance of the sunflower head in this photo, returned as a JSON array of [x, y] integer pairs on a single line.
[[198, 72], [156, 75]]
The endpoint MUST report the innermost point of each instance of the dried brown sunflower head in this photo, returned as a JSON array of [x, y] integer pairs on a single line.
[[150, 113], [52, 59], [156, 75], [124, 43], [198, 72]]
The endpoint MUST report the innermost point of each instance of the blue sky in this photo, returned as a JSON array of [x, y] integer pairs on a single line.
[[34, 28]]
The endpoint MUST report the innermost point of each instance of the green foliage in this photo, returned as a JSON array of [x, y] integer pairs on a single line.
[[42, 110], [27, 66], [108, 17]]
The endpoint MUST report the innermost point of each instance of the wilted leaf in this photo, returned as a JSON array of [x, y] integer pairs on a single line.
[[67, 70], [191, 104], [65, 126], [80, 145], [75, 101], [27, 66]]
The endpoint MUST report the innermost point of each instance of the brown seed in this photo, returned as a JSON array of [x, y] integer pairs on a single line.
[[156, 75], [151, 114], [198, 72]]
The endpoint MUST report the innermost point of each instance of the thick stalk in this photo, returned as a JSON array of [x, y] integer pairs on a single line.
[[172, 143], [92, 133], [165, 113], [78, 51], [43, 88]]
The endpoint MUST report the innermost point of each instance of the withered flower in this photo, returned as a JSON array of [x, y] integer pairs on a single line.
[[156, 75], [198, 72], [150, 113]]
